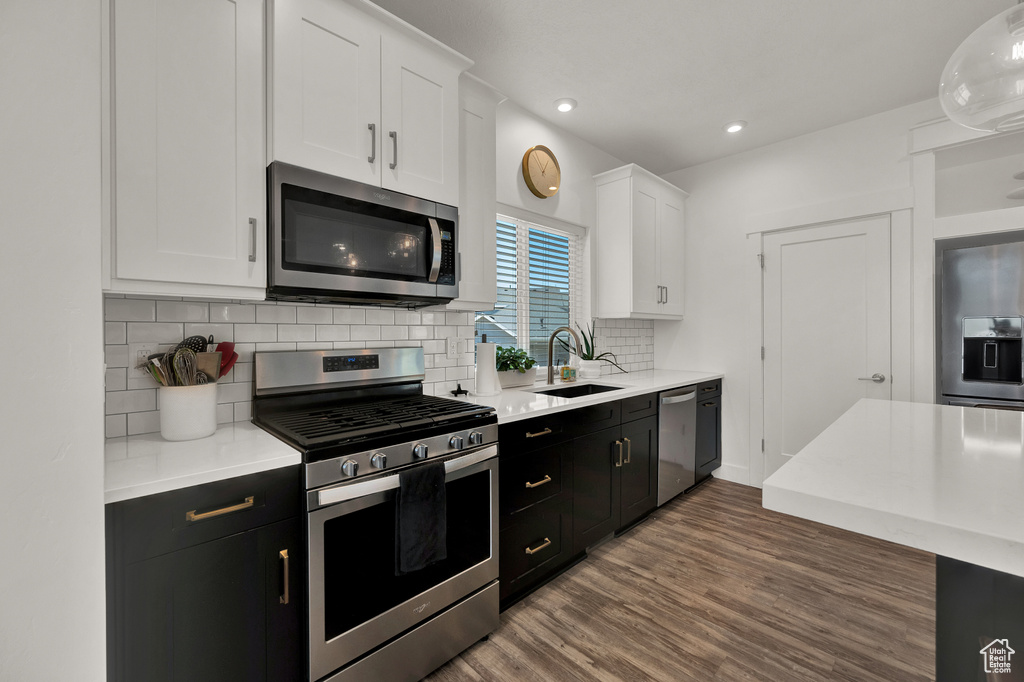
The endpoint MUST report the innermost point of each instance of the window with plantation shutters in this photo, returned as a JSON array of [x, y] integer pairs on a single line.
[[539, 278]]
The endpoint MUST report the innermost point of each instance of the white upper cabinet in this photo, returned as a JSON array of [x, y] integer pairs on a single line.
[[185, 174], [358, 94], [639, 246], [477, 265]]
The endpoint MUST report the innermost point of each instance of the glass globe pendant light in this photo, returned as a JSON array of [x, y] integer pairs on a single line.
[[982, 86]]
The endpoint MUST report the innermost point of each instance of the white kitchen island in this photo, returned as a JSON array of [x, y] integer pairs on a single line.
[[948, 480]]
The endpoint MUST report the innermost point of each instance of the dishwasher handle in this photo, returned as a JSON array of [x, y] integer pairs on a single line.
[[679, 398]]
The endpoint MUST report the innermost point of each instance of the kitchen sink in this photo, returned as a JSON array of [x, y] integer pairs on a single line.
[[577, 391]]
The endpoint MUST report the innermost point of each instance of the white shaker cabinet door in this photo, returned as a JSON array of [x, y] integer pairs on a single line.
[[325, 82], [670, 252], [188, 138], [419, 121], [645, 246], [477, 237]]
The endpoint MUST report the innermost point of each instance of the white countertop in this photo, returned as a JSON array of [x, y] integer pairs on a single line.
[[948, 480], [148, 464], [513, 404]]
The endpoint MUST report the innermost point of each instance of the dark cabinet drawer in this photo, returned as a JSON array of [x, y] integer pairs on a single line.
[[537, 545], [708, 389], [157, 524], [585, 420], [530, 434], [639, 406], [535, 476]]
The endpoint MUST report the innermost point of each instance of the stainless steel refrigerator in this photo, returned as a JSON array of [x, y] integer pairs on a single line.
[[980, 315]]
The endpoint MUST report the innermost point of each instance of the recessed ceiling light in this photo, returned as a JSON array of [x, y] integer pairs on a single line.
[[735, 126], [565, 104]]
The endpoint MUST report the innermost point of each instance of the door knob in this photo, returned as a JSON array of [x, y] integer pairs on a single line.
[[876, 377]]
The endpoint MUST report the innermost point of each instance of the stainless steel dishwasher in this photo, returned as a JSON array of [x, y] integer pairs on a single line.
[[677, 431]]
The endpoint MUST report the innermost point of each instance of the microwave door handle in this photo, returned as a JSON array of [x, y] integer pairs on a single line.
[[435, 264]]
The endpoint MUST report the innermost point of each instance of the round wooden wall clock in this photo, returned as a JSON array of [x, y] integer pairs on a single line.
[[541, 171]]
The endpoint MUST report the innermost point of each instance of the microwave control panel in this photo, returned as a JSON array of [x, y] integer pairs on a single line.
[[447, 273]]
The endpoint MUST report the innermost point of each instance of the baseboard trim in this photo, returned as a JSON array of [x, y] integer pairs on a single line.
[[735, 474]]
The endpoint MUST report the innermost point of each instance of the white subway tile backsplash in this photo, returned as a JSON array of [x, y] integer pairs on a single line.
[[275, 314], [333, 332], [233, 312], [115, 332], [255, 333], [115, 425], [349, 316], [365, 333], [143, 422], [314, 315], [129, 310], [155, 332], [296, 332], [131, 402], [182, 311], [378, 316]]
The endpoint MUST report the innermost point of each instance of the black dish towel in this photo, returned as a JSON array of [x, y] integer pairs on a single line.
[[421, 519]]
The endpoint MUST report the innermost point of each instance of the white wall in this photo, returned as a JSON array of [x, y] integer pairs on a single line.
[[51, 485], [812, 177], [579, 161]]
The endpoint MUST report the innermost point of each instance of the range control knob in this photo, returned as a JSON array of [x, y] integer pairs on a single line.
[[419, 451], [455, 443], [476, 438], [379, 460], [350, 467]]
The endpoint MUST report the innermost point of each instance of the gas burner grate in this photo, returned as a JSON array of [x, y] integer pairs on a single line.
[[360, 420]]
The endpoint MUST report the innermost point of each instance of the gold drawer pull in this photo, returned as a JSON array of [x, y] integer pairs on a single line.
[[283, 556], [192, 516], [534, 550], [629, 451], [618, 462], [708, 388], [539, 433], [546, 479]]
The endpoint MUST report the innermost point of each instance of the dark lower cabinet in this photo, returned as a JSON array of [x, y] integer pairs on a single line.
[[221, 608], [615, 476], [708, 448]]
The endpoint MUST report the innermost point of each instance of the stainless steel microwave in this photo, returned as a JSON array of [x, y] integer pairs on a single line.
[[332, 239]]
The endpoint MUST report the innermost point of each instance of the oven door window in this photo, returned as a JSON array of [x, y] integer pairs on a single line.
[[329, 234], [359, 551]]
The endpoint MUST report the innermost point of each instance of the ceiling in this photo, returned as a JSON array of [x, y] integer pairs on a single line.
[[657, 80]]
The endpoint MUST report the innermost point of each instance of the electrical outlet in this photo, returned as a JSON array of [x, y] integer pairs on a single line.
[[453, 348], [137, 354]]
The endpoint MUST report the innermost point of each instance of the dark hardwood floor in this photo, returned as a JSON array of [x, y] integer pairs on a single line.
[[714, 587]]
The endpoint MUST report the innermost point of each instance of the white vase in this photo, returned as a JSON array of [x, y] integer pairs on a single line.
[[188, 412], [590, 369]]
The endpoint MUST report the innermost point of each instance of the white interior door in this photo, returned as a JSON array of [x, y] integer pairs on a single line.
[[826, 328]]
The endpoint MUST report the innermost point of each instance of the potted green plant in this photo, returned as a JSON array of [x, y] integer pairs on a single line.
[[589, 359], [515, 366]]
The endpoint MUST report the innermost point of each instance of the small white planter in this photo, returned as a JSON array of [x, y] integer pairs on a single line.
[[589, 369], [188, 412], [512, 378]]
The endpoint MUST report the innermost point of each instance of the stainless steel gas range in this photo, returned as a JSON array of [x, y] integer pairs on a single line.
[[402, 574]]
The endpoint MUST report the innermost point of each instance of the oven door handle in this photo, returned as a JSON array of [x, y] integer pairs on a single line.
[[352, 491], [435, 238]]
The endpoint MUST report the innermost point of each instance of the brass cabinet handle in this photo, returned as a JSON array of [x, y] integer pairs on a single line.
[[546, 479], [708, 388], [538, 548], [710, 404], [283, 555], [539, 433], [629, 450], [192, 516], [618, 463]]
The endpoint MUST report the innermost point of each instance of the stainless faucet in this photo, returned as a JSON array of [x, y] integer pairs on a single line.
[[551, 345]]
